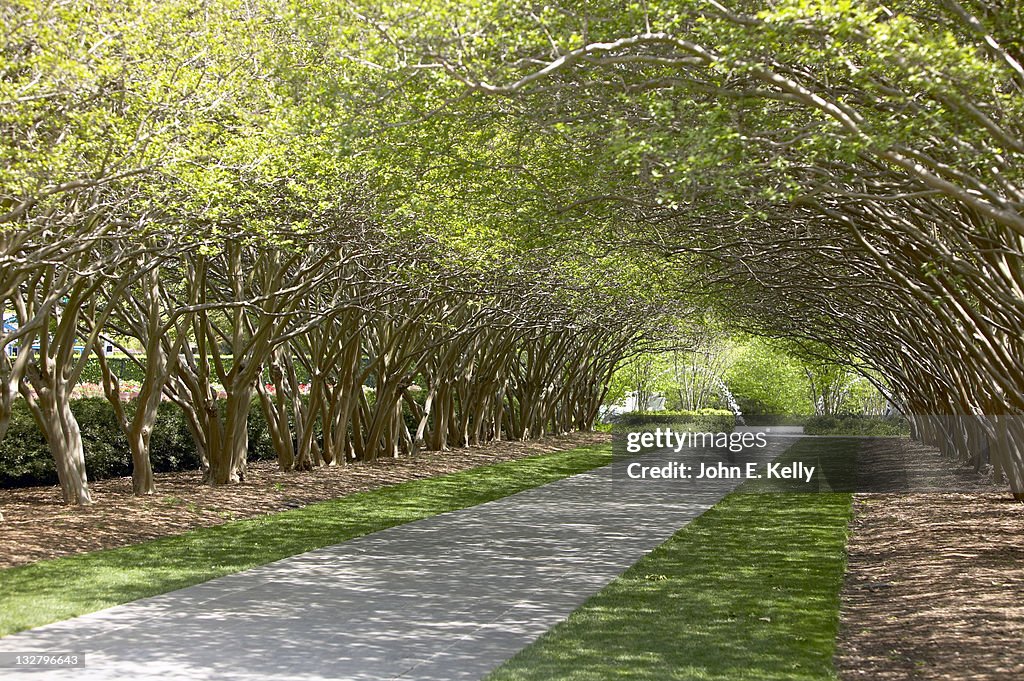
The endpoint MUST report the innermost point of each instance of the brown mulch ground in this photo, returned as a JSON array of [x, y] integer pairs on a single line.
[[37, 525], [934, 587]]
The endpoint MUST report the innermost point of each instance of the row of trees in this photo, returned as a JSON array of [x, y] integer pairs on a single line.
[[850, 172], [367, 192], [470, 355], [222, 190]]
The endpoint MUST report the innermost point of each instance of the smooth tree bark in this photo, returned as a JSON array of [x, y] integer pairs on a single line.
[[149, 315]]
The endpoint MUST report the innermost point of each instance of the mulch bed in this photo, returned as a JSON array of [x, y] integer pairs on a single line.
[[934, 587], [38, 525]]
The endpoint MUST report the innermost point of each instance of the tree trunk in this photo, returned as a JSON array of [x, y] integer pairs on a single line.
[[142, 467], [232, 450], [60, 428]]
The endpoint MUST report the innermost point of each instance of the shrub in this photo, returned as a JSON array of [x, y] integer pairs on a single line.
[[171, 447], [886, 426], [260, 444], [122, 367], [703, 420], [774, 419], [25, 458], [106, 447]]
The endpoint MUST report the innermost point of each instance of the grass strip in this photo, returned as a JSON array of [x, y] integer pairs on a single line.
[[748, 590], [53, 590]]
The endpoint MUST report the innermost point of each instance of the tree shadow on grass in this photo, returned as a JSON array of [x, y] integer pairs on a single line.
[[750, 590]]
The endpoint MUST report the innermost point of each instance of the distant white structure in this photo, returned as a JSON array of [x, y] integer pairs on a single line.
[[11, 326], [631, 404], [654, 403]]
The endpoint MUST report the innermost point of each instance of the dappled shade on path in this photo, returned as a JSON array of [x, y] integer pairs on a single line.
[[446, 598]]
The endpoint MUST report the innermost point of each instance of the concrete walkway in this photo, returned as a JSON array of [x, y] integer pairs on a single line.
[[447, 598]]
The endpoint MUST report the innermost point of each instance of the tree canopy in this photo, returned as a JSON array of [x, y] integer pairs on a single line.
[[476, 209]]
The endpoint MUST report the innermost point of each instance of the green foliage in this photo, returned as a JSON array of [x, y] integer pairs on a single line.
[[122, 367], [685, 364], [645, 374], [85, 583], [775, 419], [106, 448], [171, 447], [25, 458], [764, 379], [835, 386], [703, 420], [864, 397], [857, 424], [771, 380], [127, 370], [261, 446]]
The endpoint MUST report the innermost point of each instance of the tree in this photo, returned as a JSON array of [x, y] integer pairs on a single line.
[[849, 165]]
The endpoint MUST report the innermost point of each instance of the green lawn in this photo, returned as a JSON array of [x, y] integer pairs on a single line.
[[749, 590], [53, 590]]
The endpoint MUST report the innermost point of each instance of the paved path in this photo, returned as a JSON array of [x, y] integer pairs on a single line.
[[446, 598]]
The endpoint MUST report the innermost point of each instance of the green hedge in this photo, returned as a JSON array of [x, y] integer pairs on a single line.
[[25, 458], [704, 420], [887, 426], [774, 419], [123, 368]]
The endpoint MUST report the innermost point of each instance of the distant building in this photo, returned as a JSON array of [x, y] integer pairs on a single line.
[[11, 349], [654, 403], [10, 326]]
